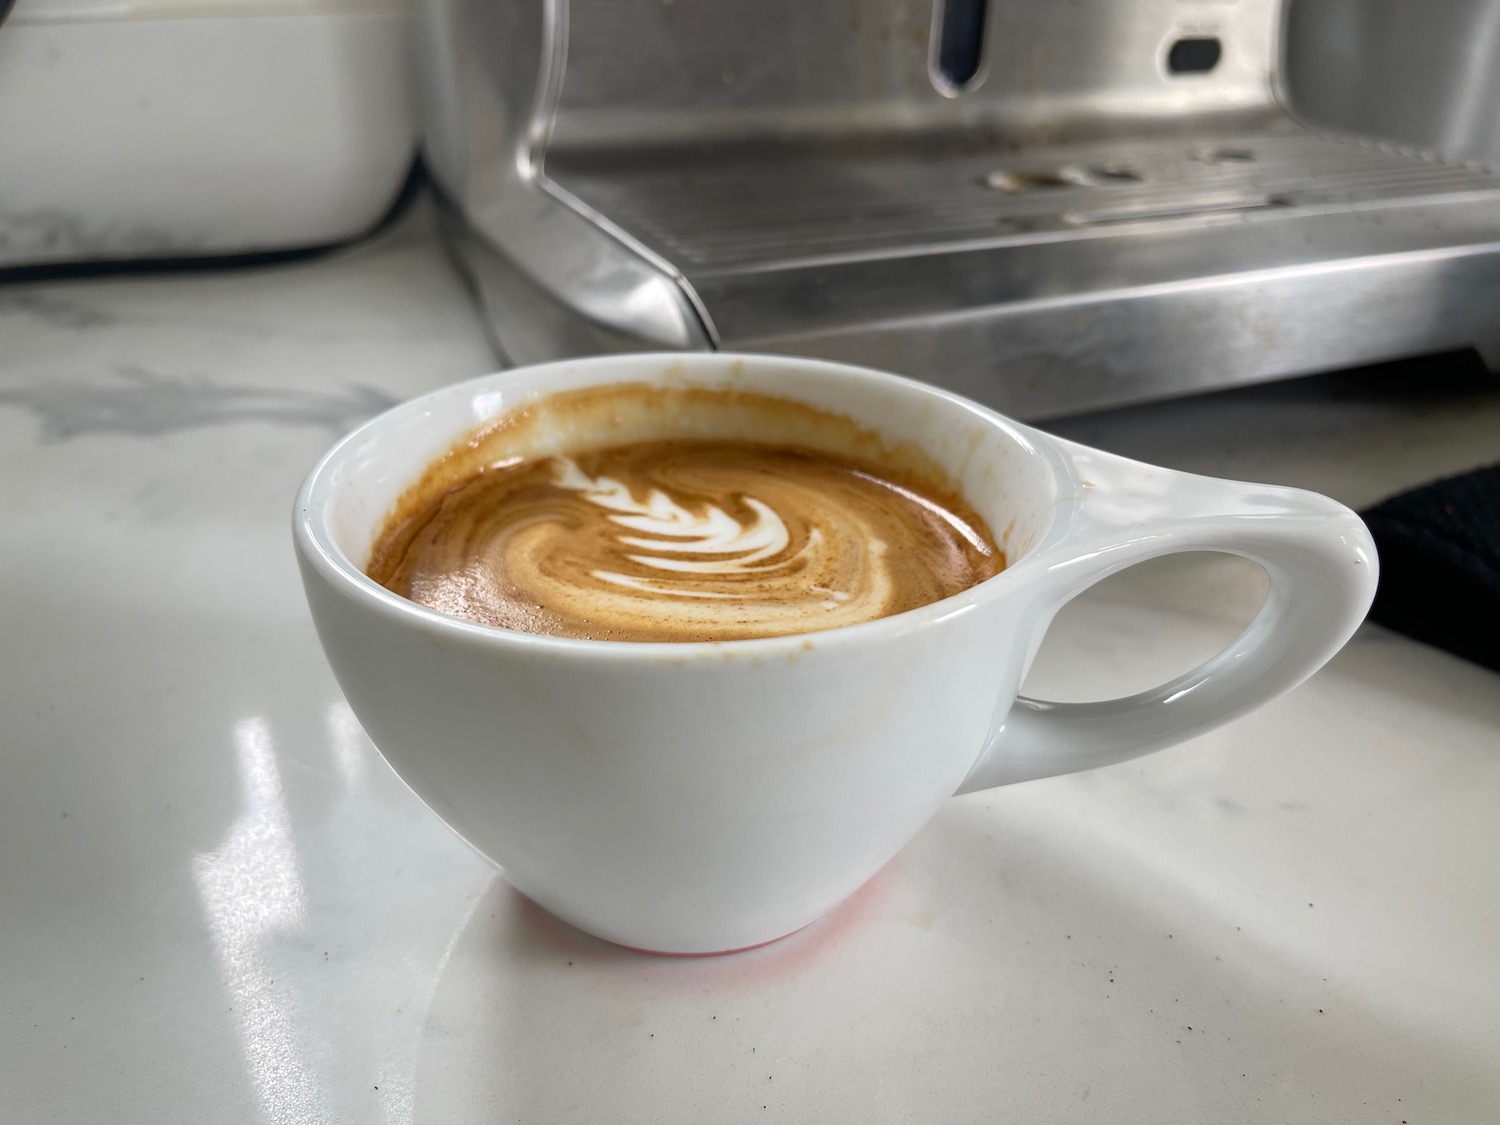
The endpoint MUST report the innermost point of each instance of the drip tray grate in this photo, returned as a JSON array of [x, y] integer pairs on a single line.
[[726, 217]]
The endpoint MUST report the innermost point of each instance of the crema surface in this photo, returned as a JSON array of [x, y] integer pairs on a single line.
[[682, 540]]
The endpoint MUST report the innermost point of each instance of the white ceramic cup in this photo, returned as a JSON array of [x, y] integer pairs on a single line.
[[705, 797]]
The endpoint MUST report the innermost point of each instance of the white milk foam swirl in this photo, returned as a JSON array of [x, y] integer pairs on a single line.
[[730, 548]]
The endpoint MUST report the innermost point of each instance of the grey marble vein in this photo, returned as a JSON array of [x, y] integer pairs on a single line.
[[46, 234], [142, 403], [54, 311]]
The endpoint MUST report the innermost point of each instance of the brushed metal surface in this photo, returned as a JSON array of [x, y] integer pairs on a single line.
[[489, 75], [718, 214], [1419, 74], [644, 72], [1077, 226]]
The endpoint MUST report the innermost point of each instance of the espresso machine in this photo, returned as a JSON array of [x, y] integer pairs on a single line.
[[1048, 205]]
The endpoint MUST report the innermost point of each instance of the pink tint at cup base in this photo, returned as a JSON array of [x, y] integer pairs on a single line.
[[717, 952]]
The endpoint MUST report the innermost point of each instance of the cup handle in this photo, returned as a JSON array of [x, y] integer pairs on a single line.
[[1323, 569]]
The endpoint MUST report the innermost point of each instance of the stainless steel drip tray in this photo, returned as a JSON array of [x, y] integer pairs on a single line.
[[725, 215], [1060, 277]]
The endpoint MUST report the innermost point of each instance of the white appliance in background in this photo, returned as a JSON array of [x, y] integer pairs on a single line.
[[181, 128]]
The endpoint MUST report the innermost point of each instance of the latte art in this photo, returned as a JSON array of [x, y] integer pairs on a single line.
[[682, 540], [722, 544]]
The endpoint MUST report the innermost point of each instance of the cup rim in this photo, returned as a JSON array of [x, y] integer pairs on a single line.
[[314, 541]]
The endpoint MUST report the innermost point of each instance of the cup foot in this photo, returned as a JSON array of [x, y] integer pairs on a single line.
[[711, 953]]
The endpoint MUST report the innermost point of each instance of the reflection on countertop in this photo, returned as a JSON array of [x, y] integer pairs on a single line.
[[221, 906]]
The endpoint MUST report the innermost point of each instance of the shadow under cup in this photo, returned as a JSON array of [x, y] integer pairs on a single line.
[[691, 797]]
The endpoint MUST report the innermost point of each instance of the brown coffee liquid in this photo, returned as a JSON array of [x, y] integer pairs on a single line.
[[682, 540]]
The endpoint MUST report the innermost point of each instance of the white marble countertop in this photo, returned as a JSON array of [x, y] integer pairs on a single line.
[[218, 905]]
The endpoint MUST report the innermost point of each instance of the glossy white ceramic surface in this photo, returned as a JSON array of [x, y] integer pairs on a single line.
[[700, 798], [217, 904]]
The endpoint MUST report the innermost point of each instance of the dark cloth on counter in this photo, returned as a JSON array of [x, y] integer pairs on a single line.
[[1440, 564]]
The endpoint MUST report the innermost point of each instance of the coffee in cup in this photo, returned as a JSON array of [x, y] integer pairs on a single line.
[[699, 538]]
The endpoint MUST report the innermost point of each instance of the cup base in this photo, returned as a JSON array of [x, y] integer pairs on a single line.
[[711, 953]]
